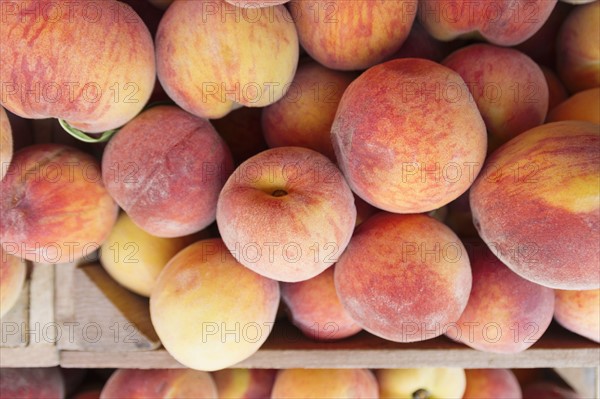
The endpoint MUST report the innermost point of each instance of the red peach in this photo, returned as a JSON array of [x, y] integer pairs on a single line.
[[549, 390], [419, 44], [404, 277], [508, 87], [502, 22], [316, 309], [32, 383], [95, 69], [167, 183], [408, 137], [537, 205], [54, 206]]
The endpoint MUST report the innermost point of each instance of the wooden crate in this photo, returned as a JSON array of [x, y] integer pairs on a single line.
[[87, 291], [28, 331]]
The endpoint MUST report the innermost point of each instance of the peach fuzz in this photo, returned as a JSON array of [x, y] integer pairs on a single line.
[[492, 384], [557, 93], [509, 89], [421, 383], [505, 313], [352, 35], [316, 309], [54, 207], [165, 168], [501, 22], [418, 146], [421, 272], [325, 383], [537, 205], [135, 258], [6, 143], [159, 383], [32, 383], [213, 56], [286, 213], [578, 55], [95, 69], [244, 383], [582, 106], [578, 311], [13, 271], [201, 296], [303, 117]]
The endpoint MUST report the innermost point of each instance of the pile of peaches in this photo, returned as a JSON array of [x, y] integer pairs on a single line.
[[409, 168]]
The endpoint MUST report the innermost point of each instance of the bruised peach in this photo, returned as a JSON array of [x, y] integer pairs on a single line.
[[316, 309], [165, 169], [159, 383], [537, 205], [88, 62], [404, 278], [408, 137], [54, 207]]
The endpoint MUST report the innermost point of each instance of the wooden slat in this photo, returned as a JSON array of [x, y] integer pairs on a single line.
[[14, 324], [583, 380], [287, 348]]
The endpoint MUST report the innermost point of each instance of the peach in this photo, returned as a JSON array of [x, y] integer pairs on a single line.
[[316, 309], [364, 210], [325, 383], [167, 183], [508, 87], [209, 311], [536, 205], [303, 117], [244, 383], [6, 143], [135, 258], [242, 131], [582, 106], [577, 53], [286, 213], [505, 313], [54, 207], [404, 277], [502, 22], [159, 383], [352, 35], [549, 390], [578, 311], [492, 384], [96, 83], [213, 56], [421, 383], [32, 383], [557, 93], [24, 128], [408, 137], [13, 271]]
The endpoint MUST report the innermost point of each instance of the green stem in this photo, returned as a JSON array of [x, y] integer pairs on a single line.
[[82, 136]]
